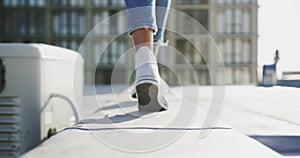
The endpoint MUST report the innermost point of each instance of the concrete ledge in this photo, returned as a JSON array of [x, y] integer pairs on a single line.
[[106, 133]]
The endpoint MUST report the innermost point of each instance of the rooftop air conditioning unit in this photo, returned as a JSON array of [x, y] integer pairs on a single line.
[[41, 87]]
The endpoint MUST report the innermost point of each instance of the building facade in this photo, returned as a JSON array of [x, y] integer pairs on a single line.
[[66, 23]]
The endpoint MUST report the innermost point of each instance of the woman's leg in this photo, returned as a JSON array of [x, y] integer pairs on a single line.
[[142, 37], [141, 22], [142, 26]]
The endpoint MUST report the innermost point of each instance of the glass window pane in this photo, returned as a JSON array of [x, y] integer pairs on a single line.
[[21, 22], [76, 2], [200, 15], [229, 75], [228, 53], [7, 2], [82, 24], [192, 1], [233, 21], [118, 2], [191, 53], [104, 27], [246, 22], [21, 2], [100, 2], [55, 23], [242, 75], [14, 3], [63, 23], [229, 21], [41, 3], [32, 22], [238, 21], [220, 22], [246, 54], [238, 51], [69, 23], [36, 2]]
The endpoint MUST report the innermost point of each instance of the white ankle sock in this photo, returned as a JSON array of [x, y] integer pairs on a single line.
[[146, 66]]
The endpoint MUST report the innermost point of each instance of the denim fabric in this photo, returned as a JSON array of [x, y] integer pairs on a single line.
[[162, 10], [143, 14]]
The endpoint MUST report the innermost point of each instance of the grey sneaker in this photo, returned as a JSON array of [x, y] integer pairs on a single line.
[[163, 84], [148, 82], [150, 99]]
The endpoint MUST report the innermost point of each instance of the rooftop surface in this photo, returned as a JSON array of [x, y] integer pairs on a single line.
[[112, 126]]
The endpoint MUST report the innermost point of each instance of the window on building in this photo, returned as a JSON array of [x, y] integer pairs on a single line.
[[70, 44], [241, 75], [107, 54], [200, 15], [192, 54], [101, 25], [233, 21], [69, 23], [230, 2], [238, 75], [117, 3], [235, 51], [24, 22], [192, 1], [115, 25], [71, 3], [14, 3], [100, 2]]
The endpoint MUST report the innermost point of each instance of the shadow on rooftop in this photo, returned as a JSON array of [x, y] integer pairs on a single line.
[[285, 145]]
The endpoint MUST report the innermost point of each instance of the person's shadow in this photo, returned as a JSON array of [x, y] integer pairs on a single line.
[[119, 118]]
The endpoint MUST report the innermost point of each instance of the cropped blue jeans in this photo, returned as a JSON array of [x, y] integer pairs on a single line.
[[150, 14]]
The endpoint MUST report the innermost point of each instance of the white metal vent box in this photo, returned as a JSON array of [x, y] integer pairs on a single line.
[[33, 75]]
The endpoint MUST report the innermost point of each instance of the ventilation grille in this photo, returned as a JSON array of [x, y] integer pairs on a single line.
[[2, 76], [9, 127]]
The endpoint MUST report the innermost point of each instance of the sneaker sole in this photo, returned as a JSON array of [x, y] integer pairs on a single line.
[[147, 95]]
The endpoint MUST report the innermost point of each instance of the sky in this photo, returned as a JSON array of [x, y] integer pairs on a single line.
[[279, 28]]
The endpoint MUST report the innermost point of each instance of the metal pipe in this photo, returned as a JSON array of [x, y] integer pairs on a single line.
[[55, 95]]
